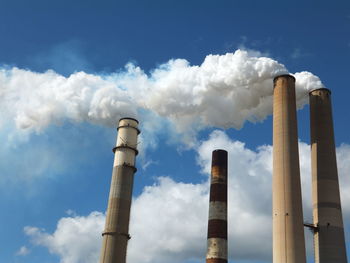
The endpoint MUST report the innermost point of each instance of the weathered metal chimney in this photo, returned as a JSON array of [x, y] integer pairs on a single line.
[[288, 228], [217, 222], [116, 233], [329, 240]]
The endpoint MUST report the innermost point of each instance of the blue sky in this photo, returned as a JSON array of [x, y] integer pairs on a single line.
[[58, 127]]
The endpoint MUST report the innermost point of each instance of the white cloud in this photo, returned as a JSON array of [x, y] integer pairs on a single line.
[[343, 161], [224, 91], [249, 195], [169, 216], [23, 251], [149, 163], [71, 212], [169, 219], [36, 100], [76, 239]]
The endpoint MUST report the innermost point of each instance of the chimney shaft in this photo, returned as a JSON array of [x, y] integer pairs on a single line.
[[116, 233], [288, 227], [329, 240], [217, 222]]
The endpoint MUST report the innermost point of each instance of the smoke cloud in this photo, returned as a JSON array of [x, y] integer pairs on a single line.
[[224, 91]]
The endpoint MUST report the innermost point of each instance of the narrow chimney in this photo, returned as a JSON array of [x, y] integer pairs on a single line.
[[116, 233], [288, 227], [329, 240], [217, 222]]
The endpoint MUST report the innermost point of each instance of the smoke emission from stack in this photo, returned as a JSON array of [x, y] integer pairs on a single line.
[[329, 240], [217, 222], [116, 232], [224, 91], [288, 226]]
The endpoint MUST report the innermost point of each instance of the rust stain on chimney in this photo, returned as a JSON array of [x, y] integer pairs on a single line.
[[217, 222]]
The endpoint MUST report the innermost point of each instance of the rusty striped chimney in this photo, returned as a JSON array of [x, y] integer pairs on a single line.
[[288, 226], [217, 222], [329, 240], [116, 232]]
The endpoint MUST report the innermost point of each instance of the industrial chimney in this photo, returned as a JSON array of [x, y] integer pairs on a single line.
[[329, 240], [288, 228], [217, 222], [116, 233]]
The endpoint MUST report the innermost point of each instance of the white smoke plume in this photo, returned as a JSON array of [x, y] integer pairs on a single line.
[[224, 91]]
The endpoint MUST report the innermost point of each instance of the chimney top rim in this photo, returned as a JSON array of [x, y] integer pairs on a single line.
[[128, 118], [220, 150], [325, 89], [283, 75]]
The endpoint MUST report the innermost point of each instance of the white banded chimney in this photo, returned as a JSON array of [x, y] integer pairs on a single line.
[[116, 233]]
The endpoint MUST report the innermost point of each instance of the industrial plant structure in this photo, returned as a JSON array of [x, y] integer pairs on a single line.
[[116, 232], [329, 240], [287, 212], [217, 221], [288, 232]]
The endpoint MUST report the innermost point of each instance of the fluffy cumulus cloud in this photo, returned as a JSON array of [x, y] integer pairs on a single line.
[[249, 203], [75, 240], [172, 227], [169, 219], [343, 161], [224, 91]]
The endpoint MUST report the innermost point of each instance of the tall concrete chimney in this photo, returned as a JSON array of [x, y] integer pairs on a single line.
[[288, 227], [217, 222], [116, 233], [329, 240]]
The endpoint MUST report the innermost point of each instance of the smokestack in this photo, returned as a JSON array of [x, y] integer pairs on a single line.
[[116, 233], [329, 240], [217, 222], [288, 228]]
